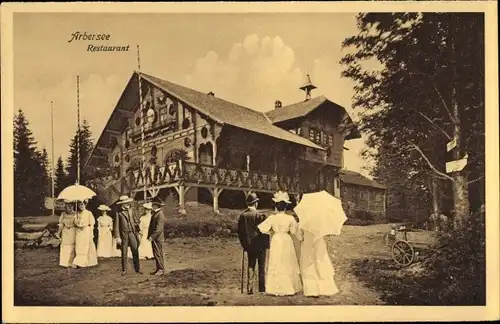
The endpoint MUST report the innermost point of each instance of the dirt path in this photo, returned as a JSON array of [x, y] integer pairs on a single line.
[[200, 271]]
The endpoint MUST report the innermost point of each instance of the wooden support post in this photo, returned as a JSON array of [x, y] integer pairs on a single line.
[[214, 153], [181, 191], [215, 194], [182, 205]]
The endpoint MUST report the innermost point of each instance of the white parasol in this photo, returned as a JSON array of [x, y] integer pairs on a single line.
[[321, 214], [76, 192]]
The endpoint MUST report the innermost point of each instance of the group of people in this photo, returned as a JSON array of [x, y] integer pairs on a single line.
[[312, 273], [123, 235]]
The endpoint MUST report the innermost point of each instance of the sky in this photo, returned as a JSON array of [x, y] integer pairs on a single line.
[[249, 58]]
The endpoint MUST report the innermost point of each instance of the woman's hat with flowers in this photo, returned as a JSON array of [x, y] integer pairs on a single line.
[[281, 196], [148, 205], [103, 207]]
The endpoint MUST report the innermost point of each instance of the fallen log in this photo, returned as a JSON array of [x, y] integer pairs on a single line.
[[31, 236], [33, 228]]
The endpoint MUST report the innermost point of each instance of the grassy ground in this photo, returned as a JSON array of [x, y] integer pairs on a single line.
[[203, 270], [200, 271]]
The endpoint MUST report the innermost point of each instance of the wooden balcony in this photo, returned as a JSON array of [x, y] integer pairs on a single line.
[[189, 174], [199, 175]]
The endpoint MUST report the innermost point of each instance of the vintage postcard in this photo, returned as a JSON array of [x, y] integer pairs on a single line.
[[325, 160]]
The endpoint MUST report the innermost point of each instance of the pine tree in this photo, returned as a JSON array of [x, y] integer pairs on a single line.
[[46, 176], [86, 146], [60, 177], [29, 196]]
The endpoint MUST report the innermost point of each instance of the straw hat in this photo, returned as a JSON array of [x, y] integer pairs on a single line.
[[281, 196], [103, 207], [124, 200], [148, 205]]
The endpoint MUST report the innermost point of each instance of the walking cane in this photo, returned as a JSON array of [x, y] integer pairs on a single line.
[[242, 269]]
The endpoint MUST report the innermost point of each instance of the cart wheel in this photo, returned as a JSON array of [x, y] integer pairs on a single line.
[[403, 253]]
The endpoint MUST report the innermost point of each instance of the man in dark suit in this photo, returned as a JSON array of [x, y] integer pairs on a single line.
[[126, 232], [253, 242], [156, 236]]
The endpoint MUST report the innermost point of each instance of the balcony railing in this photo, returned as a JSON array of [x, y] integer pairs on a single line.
[[199, 174]]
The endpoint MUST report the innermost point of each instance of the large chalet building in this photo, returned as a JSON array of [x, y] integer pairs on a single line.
[[193, 143]]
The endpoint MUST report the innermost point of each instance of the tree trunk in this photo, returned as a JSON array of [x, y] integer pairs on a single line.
[[460, 187], [435, 197]]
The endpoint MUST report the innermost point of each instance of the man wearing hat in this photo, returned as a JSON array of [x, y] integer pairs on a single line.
[[253, 242], [126, 232], [156, 236]]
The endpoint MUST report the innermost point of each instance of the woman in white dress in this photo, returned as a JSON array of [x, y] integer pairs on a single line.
[[315, 266], [67, 234], [283, 273], [145, 246], [105, 248], [86, 254]]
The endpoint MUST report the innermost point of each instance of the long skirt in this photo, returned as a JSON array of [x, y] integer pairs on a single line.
[[283, 273], [67, 247], [105, 243], [145, 248], [316, 268], [86, 254]]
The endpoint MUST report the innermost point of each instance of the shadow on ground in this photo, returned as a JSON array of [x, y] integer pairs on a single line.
[[410, 286]]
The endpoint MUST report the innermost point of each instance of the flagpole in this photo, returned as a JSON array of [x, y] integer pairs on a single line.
[[78, 130], [53, 161], [142, 123]]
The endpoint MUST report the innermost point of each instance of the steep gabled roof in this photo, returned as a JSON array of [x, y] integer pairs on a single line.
[[221, 111], [226, 112], [303, 108], [356, 178]]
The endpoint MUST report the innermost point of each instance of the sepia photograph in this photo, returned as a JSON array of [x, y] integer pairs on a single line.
[[185, 158]]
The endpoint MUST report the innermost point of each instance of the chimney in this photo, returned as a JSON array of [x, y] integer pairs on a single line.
[[211, 94], [277, 104]]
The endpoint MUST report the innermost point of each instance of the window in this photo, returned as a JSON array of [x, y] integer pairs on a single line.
[[330, 140], [318, 137], [126, 138], [299, 131], [163, 115], [186, 113], [312, 134], [324, 139]]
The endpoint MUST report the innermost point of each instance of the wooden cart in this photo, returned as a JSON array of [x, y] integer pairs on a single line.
[[405, 251]]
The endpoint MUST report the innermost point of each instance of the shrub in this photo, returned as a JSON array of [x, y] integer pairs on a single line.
[[358, 222], [201, 221], [457, 267]]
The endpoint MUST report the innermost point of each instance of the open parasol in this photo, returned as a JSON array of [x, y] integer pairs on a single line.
[[321, 214], [76, 192]]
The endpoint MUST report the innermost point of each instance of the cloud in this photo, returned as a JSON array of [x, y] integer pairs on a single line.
[[254, 73]]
